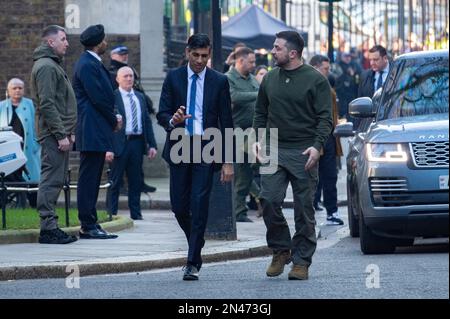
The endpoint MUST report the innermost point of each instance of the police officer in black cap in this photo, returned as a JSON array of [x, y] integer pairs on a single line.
[[95, 126], [119, 59]]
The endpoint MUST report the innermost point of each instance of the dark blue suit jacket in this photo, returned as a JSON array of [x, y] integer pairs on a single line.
[[95, 98], [366, 85], [216, 103], [147, 128]]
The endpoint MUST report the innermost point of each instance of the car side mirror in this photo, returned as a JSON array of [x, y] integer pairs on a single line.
[[344, 130], [361, 107]]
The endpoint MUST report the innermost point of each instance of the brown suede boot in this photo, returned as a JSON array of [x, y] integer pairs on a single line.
[[279, 259], [298, 272]]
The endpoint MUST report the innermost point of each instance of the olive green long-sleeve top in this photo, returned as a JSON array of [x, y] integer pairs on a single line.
[[297, 103], [243, 92]]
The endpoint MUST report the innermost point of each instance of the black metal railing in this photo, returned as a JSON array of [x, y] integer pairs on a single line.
[[24, 187]]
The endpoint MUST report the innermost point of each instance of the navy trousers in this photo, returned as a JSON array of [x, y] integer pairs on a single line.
[[328, 177], [91, 168], [190, 187], [130, 161]]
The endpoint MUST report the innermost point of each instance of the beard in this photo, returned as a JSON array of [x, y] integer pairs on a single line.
[[281, 61], [101, 51]]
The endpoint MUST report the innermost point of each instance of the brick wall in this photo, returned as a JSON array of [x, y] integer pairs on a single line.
[[21, 23]]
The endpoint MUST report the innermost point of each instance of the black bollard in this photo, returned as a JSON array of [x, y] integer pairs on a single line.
[[221, 220]]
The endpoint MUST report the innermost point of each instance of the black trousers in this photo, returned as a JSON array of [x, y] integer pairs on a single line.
[[190, 187], [328, 177], [91, 168]]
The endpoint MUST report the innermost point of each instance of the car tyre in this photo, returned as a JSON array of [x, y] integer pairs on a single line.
[[371, 243], [405, 242]]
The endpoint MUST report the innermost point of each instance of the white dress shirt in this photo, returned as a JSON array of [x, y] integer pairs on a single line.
[[95, 55], [377, 75], [128, 113], [198, 121]]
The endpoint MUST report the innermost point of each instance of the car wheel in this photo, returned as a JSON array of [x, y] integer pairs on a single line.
[[352, 220], [371, 243]]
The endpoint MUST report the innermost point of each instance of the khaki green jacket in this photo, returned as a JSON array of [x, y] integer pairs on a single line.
[[53, 95]]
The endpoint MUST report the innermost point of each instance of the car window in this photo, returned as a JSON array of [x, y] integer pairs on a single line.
[[415, 87]]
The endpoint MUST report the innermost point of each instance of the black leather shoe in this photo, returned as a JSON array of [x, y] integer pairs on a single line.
[[190, 273], [147, 188], [100, 229], [137, 218], [97, 233]]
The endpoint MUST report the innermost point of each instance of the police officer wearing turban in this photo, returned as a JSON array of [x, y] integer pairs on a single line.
[[95, 126]]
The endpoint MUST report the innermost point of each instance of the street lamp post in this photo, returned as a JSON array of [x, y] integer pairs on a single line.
[[401, 24], [330, 31], [424, 21], [283, 10], [196, 15], [330, 28], [221, 220], [216, 35]]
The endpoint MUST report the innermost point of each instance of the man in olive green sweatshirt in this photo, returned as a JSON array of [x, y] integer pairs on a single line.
[[243, 92], [295, 99], [57, 110]]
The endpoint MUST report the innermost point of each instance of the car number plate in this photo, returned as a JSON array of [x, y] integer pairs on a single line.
[[443, 182]]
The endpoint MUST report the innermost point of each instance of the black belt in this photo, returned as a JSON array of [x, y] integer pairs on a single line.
[[134, 137]]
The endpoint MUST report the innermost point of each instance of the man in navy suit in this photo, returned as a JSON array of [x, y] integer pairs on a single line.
[[374, 78], [135, 139], [95, 126], [194, 98]]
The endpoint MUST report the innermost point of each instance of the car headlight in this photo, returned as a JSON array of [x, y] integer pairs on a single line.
[[386, 153]]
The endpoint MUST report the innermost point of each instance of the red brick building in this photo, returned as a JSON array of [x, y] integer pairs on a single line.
[[21, 24]]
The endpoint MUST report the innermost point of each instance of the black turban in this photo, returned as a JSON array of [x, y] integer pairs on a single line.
[[93, 35]]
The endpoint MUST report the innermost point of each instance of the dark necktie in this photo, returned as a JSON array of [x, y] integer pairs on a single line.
[[134, 118], [380, 79], [190, 121]]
